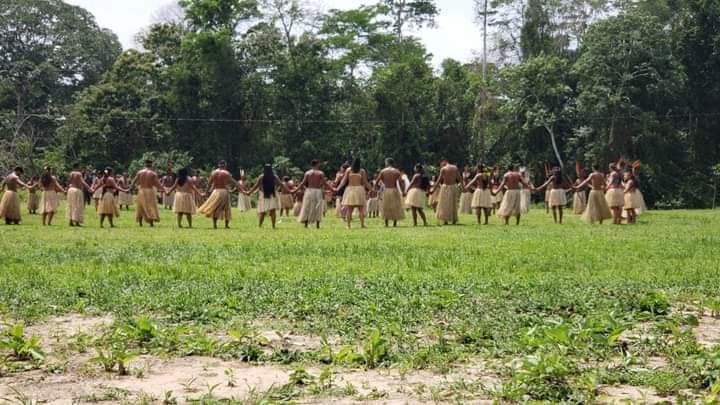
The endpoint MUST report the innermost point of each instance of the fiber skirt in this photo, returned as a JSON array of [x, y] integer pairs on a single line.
[[313, 206], [10, 206], [125, 198], [33, 202], [267, 204], [635, 200], [558, 198], [146, 207], [498, 199], [244, 203], [75, 205], [447, 209], [218, 206], [615, 197], [415, 198], [373, 205], [510, 204], [392, 205], [107, 206], [597, 208], [184, 203], [466, 203], [482, 198], [49, 202], [286, 201], [354, 196], [579, 202]]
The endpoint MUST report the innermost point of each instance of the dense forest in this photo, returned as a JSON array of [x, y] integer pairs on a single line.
[[255, 81]]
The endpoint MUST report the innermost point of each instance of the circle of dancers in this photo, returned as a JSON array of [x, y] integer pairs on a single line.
[[613, 195]]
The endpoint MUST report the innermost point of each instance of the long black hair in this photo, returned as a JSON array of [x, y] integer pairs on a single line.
[[424, 180], [557, 176], [183, 176], [268, 184], [46, 179], [355, 165]]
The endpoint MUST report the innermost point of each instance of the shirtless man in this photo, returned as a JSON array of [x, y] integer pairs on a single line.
[[148, 183], [286, 198], [76, 196], [448, 181], [313, 203], [168, 181], [597, 208], [512, 199], [219, 204], [392, 203], [615, 194], [10, 202]]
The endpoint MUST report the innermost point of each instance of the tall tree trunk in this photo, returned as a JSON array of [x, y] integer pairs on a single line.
[[554, 145]]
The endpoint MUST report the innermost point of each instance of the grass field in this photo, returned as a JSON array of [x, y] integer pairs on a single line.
[[464, 314]]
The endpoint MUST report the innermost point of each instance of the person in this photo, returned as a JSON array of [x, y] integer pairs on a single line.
[[184, 192], [434, 193], [314, 205], [286, 198], [373, 203], [167, 181], [124, 198], [579, 198], [97, 195], [146, 204], [49, 200], [405, 182], [634, 201], [268, 203], [33, 199], [298, 198], [219, 204], [558, 194], [597, 209], [512, 197], [355, 182], [392, 203], [417, 191], [89, 178], [77, 186], [10, 202], [615, 194], [107, 209], [467, 192], [339, 212], [526, 191], [448, 180], [482, 201], [496, 180], [244, 203]]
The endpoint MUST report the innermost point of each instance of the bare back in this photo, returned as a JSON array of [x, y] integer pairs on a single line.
[[147, 178], [512, 180], [220, 179], [314, 179], [449, 175], [76, 180], [597, 181], [12, 181], [390, 176]]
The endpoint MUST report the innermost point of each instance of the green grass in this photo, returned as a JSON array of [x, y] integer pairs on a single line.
[[540, 292]]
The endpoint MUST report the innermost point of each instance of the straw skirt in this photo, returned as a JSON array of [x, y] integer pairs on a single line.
[[392, 205], [634, 200], [286, 201], [499, 197], [10, 206], [244, 203], [615, 197], [75, 205], [297, 207], [558, 197], [597, 208], [465, 203], [146, 205], [579, 202], [33, 202], [415, 198], [313, 206], [98, 193], [184, 203], [354, 196], [447, 209], [373, 205], [525, 202], [510, 204], [125, 198], [218, 206], [107, 205], [49, 202], [267, 204], [482, 198]]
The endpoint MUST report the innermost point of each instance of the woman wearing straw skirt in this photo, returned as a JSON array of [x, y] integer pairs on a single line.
[[268, 203], [597, 209], [557, 198], [106, 206], [49, 200], [286, 197], [355, 182], [33, 203], [184, 201], [634, 200], [467, 193], [482, 201], [244, 204], [615, 194], [419, 186]]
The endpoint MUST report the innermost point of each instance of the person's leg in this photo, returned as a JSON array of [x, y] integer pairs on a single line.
[[140, 222], [102, 220], [517, 219], [152, 223], [179, 220], [414, 216], [317, 224], [555, 216], [261, 219], [560, 214], [215, 223], [387, 223], [395, 224], [110, 219], [272, 218], [44, 217], [478, 212], [361, 213], [227, 223], [348, 217], [487, 215], [189, 219], [422, 216], [507, 220]]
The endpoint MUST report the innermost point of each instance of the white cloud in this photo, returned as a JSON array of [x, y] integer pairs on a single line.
[[456, 35]]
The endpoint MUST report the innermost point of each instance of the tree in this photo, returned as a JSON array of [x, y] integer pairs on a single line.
[[539, 95], [413, 13], [50, 50], [218, 15]]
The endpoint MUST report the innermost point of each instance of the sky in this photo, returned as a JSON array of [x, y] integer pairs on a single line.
[[455, 36]]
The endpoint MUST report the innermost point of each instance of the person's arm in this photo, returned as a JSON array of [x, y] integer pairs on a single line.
[[499, 187], [365, 181], [278, 184], [132, 183], [58, 187], [547, 183], [303, 183], [583, 183], [472, 182], [158, 185], [345, 179], [171, 188], [21, 184], [255, 186], [628, 186]]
